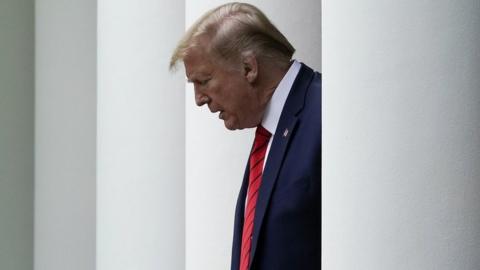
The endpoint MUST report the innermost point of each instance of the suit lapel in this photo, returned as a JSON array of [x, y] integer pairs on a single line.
[[285, 130]]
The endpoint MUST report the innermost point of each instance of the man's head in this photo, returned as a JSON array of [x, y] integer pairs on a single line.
[[235, 58]]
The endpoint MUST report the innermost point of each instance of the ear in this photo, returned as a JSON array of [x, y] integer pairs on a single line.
[[249, 66]]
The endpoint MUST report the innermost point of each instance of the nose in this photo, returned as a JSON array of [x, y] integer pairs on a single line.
[[201, 99]]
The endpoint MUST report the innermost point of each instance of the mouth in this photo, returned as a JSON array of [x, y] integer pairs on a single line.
[[220, 115]]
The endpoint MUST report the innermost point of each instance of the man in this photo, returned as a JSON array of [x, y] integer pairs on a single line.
[[241, 66]]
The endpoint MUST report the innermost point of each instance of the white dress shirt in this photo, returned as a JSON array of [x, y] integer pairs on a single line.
[[275, 106], [276, 103]]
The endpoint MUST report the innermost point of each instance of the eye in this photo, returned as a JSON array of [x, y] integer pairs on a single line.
[[204, 82]]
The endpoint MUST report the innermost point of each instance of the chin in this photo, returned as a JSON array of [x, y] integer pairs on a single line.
[[231, 125]]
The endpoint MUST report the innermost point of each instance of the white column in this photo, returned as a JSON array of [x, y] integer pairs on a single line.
[[140, 190], [65, 82], [401, 134], [215, 157]]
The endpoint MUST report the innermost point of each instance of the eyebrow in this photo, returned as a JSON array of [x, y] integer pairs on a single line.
[[193, 77]]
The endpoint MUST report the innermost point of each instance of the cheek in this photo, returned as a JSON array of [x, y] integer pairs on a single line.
[[231, 94], [222, 94], [236, 104]]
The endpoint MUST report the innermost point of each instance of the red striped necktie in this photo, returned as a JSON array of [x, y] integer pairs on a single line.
[[257, 156]]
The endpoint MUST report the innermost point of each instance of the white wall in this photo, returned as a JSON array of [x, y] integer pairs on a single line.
[[215, 157], [141, 152], [16, 134], [65, 133], [401, 134]]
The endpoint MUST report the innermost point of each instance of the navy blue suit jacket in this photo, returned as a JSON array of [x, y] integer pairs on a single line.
[[287, 224]]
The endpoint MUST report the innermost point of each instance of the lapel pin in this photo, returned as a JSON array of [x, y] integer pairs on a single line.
[[285, 133]]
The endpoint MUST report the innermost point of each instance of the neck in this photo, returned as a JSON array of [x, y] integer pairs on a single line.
[[272, 79]]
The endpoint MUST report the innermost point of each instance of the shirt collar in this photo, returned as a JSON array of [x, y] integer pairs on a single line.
[[279, 97]]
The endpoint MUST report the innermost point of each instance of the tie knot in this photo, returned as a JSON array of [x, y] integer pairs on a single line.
[[262, 134]]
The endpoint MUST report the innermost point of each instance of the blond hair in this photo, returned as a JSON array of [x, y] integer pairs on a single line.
[[233, 29]]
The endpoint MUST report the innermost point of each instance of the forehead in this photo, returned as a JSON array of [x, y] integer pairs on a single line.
[[197, 62]]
